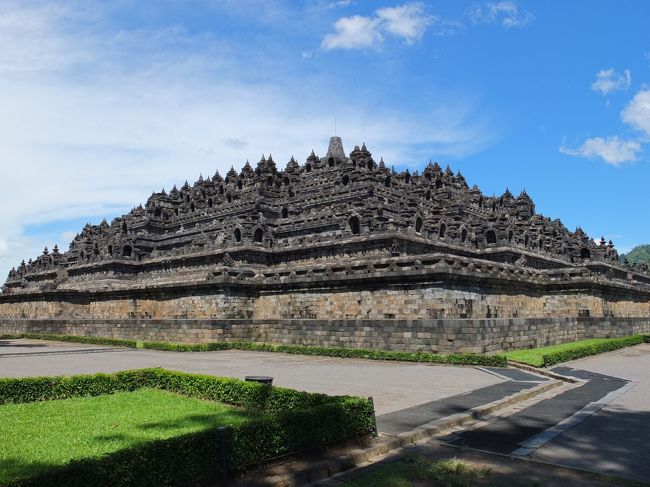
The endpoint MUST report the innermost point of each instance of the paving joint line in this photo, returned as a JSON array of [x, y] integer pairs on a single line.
[[491, 372]]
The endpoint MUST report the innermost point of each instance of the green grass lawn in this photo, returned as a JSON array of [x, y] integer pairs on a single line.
[[534, 356], [36, 436], [417, 471]]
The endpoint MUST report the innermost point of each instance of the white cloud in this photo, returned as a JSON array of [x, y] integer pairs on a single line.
[[637, 112], [4, 247], [408, 21], [69, 235], [506, 12], [612, 150], [356, 32], [608, 80]]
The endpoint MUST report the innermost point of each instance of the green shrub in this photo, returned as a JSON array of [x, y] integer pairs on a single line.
[[294, 421], [580, 351]]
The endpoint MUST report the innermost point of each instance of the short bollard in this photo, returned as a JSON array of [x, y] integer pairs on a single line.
[[261, 379], [223, 455]]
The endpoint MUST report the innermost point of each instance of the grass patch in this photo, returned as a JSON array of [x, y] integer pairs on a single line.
[[554, 354], [426, 357], [417, 471], [39, 435], [281, 422]]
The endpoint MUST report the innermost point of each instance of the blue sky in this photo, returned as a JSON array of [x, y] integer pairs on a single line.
[[104, 102]]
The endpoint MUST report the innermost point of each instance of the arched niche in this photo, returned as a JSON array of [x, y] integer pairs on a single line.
[[258, 235], [355, 225], [418, 224]]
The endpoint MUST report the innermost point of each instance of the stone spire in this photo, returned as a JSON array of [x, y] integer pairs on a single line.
[[335, 149]]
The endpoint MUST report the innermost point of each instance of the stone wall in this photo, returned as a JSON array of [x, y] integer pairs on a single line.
[[172, 305], [413, 302], [460, 335], [419, 316], [433, 302]]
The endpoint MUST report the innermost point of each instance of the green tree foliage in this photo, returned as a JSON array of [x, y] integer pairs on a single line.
[[640, 253]]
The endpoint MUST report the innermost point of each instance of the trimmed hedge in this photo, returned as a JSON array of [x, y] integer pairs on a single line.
[[427, 357], [294, 421], [118, 342], [580, 351]]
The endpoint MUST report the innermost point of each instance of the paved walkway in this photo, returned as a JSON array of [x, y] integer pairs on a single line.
[[602, 426], [410, 418], [616, 439], [394, 386]]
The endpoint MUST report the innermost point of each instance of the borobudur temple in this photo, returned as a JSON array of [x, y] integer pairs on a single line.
[[338, 251]]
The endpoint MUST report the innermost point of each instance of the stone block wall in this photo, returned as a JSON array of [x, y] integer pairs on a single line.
[[421, 302], [171, 305], [428, 302], [445, 336], [424, 316]]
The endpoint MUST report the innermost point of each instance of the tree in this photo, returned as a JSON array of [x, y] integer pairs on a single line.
[[640, 253]]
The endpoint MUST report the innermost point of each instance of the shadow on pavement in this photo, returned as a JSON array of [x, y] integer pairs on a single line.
[[614, 441], [15, 344]]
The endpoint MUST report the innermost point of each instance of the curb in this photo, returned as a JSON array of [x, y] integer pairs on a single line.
[[544, 372], [319, 471]]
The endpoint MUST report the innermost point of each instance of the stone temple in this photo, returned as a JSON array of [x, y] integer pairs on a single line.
[[338, 251]]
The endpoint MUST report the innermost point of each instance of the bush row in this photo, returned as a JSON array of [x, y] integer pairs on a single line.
[[118, 342], [428, 357], [247, 395], [580, 351], [294, 421]]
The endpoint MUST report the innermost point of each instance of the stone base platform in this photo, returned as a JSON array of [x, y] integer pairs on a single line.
[[444, 335]]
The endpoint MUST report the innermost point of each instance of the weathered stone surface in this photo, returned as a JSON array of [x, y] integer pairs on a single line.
[[338, 238], [477, 336]]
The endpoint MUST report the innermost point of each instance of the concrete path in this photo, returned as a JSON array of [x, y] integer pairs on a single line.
[[615, 440], [602, 425], [410, 418], [507, 434], [394, 386]]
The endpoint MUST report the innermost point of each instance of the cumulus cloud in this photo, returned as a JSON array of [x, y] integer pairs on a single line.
[[608, 80], [356, 32], [637, 112], [506, 13], [410, 21], [612, 150], [406, 22]]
